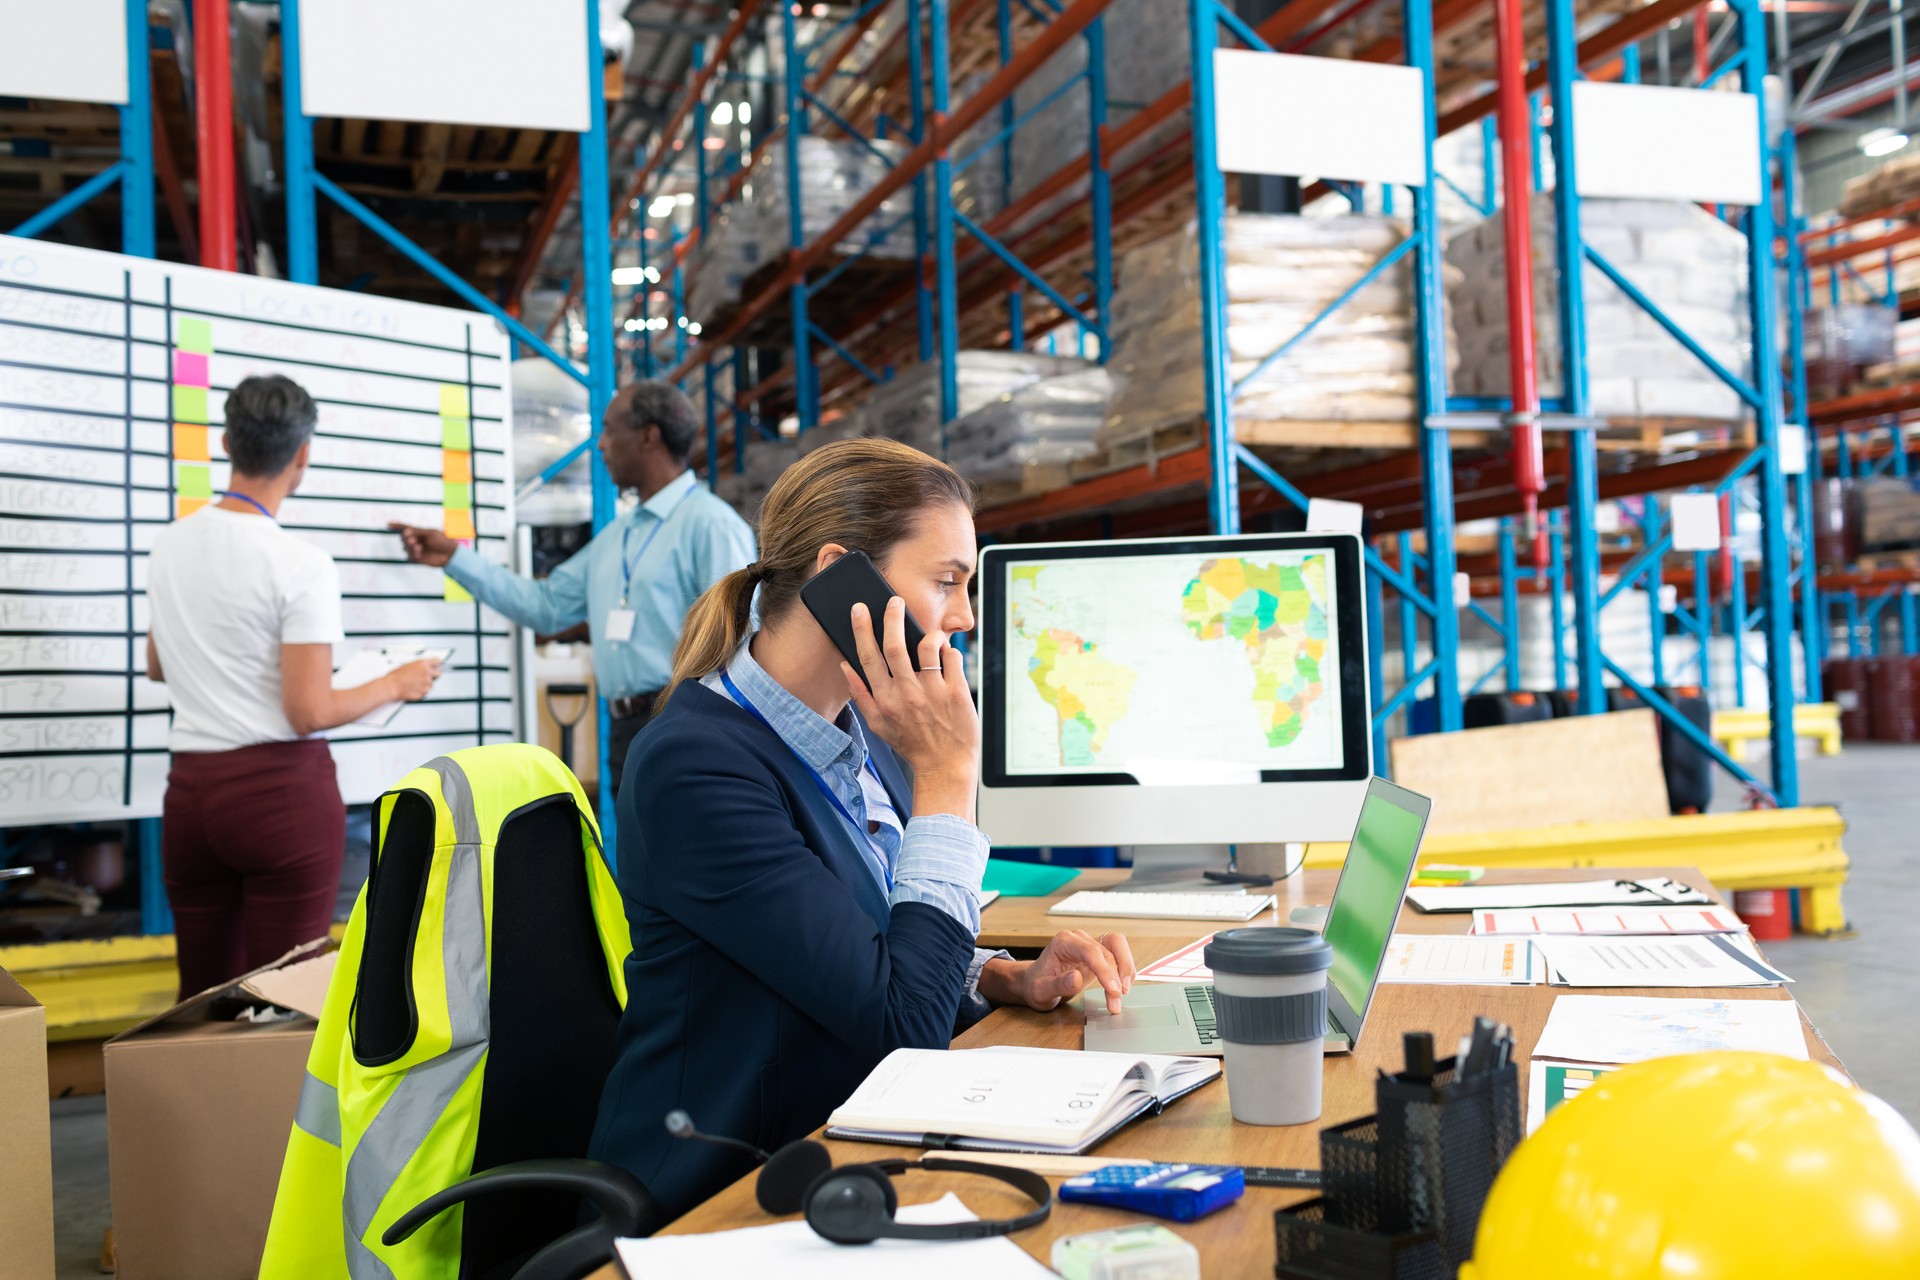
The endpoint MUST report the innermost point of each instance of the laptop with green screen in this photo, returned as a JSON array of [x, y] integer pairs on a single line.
[[1178, 1018]]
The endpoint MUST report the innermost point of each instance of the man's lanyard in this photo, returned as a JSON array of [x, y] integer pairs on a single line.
[[886, 872], [629, 563], [235, 493]]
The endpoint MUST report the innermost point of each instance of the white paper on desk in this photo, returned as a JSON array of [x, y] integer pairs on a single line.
[[1607, 921], [1701, 960], [1636, 1028], [1580, 893], [1553, 1084], [791, 1251], [371, 664], [1447, 959]]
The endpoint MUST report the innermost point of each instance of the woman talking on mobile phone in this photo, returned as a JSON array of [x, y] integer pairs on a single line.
[[798, 855]]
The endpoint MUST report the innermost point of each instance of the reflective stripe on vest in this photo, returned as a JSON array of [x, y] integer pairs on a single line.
[[420, 1099]]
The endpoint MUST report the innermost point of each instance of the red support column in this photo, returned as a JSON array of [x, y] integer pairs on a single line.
[[213, 112], [1516, 171]]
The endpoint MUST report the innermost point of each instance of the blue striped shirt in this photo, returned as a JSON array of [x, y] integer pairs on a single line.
[[936, 859]]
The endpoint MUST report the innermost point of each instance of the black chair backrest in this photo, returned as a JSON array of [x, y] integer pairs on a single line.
[[552, 1010]]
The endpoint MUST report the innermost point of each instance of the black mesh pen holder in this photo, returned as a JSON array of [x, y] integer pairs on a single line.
[[1402, 1190]]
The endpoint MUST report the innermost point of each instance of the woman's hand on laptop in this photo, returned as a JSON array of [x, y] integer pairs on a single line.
[[1072, 961]]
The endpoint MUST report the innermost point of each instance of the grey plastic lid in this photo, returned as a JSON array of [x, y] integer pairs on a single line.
[[1265, 949]]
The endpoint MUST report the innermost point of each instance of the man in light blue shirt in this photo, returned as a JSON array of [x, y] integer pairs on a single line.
[[633, 584]]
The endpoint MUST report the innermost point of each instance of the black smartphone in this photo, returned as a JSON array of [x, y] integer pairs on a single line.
[[831, 594]]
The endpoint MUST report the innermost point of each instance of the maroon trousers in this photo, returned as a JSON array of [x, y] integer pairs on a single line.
[[252, 842]]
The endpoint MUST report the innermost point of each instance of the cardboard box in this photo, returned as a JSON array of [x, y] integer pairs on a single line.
[[200, 1101], [26, 1137]]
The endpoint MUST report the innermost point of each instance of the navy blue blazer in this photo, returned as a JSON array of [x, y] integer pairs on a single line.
[[768, 973]]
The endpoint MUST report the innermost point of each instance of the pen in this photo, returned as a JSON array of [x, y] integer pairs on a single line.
[[1478, 1047]]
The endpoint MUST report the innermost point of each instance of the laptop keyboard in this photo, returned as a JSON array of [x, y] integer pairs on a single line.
[[1200, 1005]]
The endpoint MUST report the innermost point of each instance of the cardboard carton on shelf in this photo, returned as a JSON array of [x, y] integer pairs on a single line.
[[26, 1146], [200, 1102]]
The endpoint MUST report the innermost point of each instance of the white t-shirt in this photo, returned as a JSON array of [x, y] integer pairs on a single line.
[[225, 590]]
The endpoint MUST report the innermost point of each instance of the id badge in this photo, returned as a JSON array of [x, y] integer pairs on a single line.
[[619, 625]]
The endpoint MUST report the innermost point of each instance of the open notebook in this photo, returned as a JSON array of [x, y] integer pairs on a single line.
[[1047, 1101]]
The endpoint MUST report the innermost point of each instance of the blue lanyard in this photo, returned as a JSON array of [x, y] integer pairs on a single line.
[[234, 493], [886, 872], [629, 563]]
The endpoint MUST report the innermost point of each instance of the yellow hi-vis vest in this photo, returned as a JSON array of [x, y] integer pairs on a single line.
[[369, 1143]]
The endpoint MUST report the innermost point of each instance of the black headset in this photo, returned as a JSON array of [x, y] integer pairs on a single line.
[[855, 1203]]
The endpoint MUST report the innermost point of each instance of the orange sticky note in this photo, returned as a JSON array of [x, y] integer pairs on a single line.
[[459, 525], [190, 443], [184, 507], [456, 466]]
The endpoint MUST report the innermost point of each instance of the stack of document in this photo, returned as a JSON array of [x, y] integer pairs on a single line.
[[1698, 960], [1588, 1036], [1465, 961], [1658, 891], [1606, 920]]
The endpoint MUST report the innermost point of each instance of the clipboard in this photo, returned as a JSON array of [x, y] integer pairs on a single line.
[[1657, 892]]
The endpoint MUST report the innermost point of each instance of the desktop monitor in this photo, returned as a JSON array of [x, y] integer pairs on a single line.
[[1173, 691]]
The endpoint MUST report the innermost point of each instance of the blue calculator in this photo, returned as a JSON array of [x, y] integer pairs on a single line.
[[1177, 1192]]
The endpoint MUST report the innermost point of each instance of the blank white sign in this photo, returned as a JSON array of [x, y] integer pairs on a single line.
[[1319, 117], [1696, 521], [75, 50], [1650, 142], [517, 64]]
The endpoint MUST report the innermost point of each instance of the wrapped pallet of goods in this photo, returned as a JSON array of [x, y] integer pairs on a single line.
[[835, 175], [1687, 262], [907, 408], [1282, 271], [1025, 441]]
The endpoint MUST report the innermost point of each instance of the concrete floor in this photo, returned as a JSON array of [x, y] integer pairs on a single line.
[[1859, 991]]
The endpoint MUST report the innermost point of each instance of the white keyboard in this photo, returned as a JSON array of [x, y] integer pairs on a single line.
[[1164, 906]]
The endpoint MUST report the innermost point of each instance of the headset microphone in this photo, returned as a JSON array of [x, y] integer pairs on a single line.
[[680, 1125]]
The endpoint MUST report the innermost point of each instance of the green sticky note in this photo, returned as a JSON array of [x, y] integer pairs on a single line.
[[193, 482], [456, 433], [192, 334], [1025, 879], [190, 404], [459, 497], [453, 401]]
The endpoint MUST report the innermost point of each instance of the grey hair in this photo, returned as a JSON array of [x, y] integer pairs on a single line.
[[268, 417], [664, 405]]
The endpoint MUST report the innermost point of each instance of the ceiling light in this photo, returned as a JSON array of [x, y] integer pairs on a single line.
[[653, 274], [723, 113], [683, 322], [1882, 141], [634, 324], [661, 207], [745, 113], [694, 328], [685, 199], [629, 275]]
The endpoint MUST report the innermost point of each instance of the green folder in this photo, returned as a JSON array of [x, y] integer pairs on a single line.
[[1025, 879]]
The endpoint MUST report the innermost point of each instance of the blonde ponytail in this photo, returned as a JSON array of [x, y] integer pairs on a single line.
[[714, 628], [865, 494]]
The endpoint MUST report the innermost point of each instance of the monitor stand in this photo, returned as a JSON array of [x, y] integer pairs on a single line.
[[1183, 868]]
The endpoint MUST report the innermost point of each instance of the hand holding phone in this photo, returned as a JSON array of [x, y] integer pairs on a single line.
[[831, 594]]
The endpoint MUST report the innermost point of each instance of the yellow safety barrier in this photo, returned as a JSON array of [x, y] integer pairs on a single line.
[[1819, 720], [1756, 849]]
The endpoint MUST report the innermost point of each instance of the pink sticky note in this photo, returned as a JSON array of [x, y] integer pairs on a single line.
[[190, 370]]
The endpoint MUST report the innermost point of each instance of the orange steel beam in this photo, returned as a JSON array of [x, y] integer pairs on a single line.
[[943, 134], [1850, 249], [544, 222], [1906, 208], [1865, 404]]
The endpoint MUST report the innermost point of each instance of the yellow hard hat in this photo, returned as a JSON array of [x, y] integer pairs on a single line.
[[1709, 1166]]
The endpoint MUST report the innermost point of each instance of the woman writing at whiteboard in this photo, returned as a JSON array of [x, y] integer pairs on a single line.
[[244, 617]]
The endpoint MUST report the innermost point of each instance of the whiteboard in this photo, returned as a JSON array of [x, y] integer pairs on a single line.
[[517, 64], [113, 375], [1319, 117], [1656, 142], [74, 50]]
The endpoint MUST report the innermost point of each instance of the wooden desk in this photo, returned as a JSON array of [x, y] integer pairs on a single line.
[[1237, 1241], [1023, 923]]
